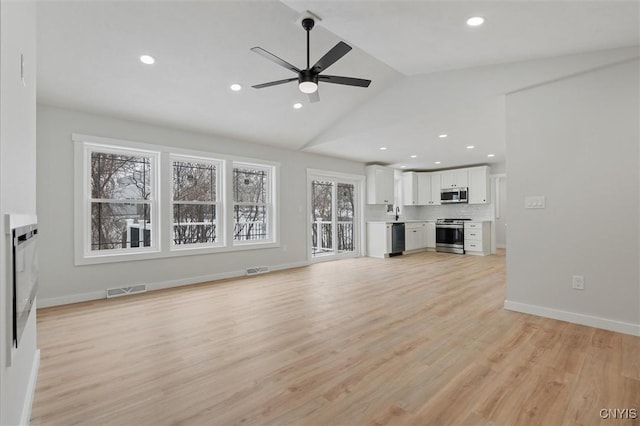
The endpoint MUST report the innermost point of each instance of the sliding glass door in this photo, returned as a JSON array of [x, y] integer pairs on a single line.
[[334, 217]]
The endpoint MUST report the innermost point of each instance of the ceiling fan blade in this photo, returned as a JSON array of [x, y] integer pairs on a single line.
[[314, 97], [337, 52], [274, 83], [270, 56], [349, 81]]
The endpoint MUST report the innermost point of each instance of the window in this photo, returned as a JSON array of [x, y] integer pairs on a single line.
[[252, 203], [137, 201], [195, 202], [122, 204]]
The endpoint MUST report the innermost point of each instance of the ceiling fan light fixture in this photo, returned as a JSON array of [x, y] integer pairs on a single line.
[[307, 86], [475, 21], [147, 59]]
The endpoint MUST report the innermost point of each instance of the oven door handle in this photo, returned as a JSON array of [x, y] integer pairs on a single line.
[[450, 226]]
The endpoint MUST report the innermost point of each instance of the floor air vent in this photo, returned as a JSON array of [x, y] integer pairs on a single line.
[[123, 291], [257, 270]]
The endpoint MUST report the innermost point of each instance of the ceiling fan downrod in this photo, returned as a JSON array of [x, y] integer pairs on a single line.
[[307, 24]]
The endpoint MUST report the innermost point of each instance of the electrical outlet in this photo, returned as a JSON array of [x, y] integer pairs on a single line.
[[578, 282]]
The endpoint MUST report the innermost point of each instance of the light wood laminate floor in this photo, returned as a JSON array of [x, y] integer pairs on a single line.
[[413, 340]]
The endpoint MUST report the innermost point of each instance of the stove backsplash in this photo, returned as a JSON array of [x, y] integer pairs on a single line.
[[457, 211], [449, 211]]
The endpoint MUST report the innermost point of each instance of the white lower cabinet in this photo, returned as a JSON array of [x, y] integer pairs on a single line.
[[477, 238], [415, 236], [378, 239]]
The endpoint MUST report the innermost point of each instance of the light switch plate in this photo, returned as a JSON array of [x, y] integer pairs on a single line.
[[534, 202]]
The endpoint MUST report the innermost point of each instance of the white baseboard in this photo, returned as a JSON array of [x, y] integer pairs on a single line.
[[574, 317], [25, 418], [501, 246], [159, 285], [73, 298]]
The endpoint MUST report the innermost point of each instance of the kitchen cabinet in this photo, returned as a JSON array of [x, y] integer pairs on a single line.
[[479, 185], [420, 189], [379, 239], [380, 184], [415, 236], [410, 185], [477, 238], [434, 193], [431, 235], [424, 188], [455, 178]]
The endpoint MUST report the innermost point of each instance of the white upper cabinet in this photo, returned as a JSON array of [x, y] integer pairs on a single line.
[[479, 185], [380, 185], [424, 188], [455, 178], [410, 189], [417, 189], [436, 186]]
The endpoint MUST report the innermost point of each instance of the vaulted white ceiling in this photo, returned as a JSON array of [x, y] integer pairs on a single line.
[[430, 73]]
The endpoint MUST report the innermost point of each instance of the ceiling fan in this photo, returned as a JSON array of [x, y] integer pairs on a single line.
[[309, 77]]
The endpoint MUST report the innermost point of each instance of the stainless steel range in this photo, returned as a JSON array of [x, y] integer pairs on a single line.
[[450, 235]]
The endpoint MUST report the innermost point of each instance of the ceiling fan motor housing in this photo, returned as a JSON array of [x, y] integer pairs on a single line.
[[307, 75]]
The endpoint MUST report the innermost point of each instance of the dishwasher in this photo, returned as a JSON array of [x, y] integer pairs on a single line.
[[397, 239]]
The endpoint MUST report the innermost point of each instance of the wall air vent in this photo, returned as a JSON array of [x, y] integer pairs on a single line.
[[124, 291], [257, 270]]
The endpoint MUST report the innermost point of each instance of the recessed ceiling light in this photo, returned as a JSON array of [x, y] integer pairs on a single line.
[[491, 155], [475, 21], [470, 147], [146, 59], [403, 167], [436, 162], [414, 156], [383, 148], [442, 136], [297, 105], [235, 87]]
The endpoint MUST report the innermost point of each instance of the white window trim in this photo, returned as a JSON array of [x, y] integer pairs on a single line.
[[219, 203], [273, 214], [83, 202], [164, 200], [360, 238]]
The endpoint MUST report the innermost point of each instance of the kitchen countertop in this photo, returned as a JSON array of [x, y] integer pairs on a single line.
[[399, 221], [421, 220]]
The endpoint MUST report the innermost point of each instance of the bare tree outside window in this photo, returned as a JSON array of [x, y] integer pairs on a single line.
[[322, 220], [194, 203], [345, 216], [120, 201], [252, 203], [322, 217]]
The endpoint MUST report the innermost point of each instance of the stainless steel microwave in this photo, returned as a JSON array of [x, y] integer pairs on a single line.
[[454, 195]]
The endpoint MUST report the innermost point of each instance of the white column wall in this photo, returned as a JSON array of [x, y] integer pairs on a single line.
[[575, 141]]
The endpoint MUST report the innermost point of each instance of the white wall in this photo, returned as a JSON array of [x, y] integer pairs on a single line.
[[500, 201], [62, 282], [18, 367], [576, 142]]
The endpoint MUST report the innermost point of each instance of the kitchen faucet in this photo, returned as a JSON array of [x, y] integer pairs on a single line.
[[397, 213]]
